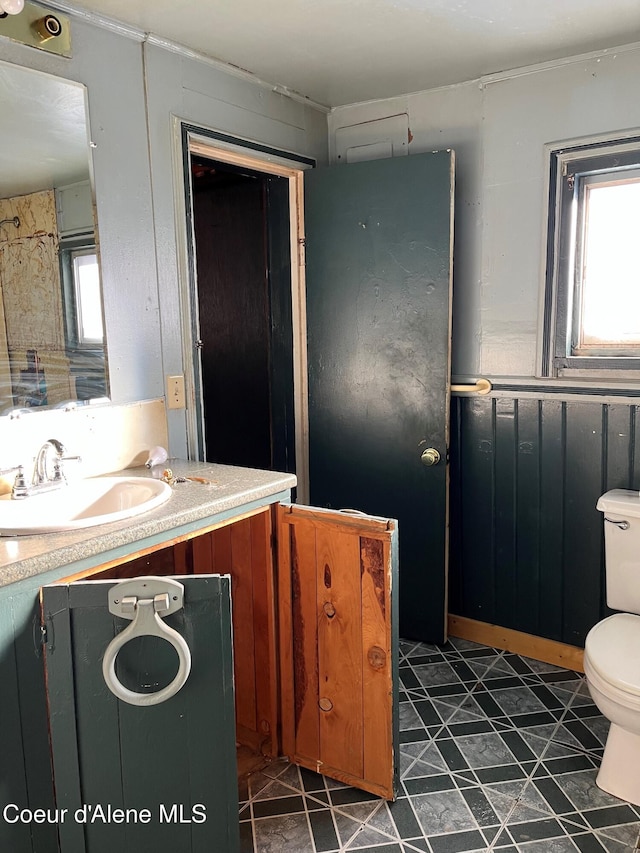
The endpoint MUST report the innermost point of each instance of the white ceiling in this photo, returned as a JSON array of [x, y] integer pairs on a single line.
[[344, 51], [43, 132]]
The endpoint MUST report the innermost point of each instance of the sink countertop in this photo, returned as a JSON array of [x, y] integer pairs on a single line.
[[22, 557]]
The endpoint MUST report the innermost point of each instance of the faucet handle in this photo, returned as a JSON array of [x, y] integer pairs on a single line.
[[19, 488], [11, 469]]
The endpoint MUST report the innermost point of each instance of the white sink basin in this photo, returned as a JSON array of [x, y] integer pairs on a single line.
[[81, 504]]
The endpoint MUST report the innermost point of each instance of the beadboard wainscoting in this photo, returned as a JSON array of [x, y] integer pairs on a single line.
[[527, 544]]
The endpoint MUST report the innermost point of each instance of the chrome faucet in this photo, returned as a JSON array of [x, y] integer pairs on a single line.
[[42, 475], [47, 471]]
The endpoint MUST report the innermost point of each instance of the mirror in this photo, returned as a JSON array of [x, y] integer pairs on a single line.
[[52, 345]]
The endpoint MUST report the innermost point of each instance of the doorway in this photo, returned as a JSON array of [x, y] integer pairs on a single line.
[[378, 257], [247, 341]]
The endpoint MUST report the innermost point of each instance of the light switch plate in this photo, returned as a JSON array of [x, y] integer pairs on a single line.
[[175, 392]]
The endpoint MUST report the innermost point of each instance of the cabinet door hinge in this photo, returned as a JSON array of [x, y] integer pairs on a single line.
[[302, 256], [43, 634], [40, 636]]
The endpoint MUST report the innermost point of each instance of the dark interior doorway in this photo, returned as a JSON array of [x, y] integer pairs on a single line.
[[245, 326]]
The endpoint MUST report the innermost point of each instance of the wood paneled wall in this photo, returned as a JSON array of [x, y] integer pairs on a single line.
[[526, 541]]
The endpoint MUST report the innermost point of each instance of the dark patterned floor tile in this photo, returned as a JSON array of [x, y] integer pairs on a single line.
[[412, 844], [563, 675], [451, 754], [457, 842], [413, 735], [582, 711], [246, 838], [409, 678], [351, 795], [568, 764], [404, 818], [469, 728], [536, 830], [480, 807], [324, 832], [428, 784], [428, 713], [447, 690], [311, 781], [583, 734], [517, 663], [463, 671], [279, 806], [588, 843], [507, 682], [548, 845], [487, 775], [517, 746], [610, 816], [554, 795]]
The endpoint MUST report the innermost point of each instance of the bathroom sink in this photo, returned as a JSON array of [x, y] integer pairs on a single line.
[[85, 503]]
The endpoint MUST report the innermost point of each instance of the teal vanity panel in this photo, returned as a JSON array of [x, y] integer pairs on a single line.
[[169, 758], [25, 765]]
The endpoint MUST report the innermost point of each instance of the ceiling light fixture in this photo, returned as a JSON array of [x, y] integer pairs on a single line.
[[11, 7]]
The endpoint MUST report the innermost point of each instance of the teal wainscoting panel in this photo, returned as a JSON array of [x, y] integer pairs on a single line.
[[25, 764], [526, 539]]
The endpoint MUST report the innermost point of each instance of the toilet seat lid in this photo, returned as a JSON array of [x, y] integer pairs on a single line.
[[613, 647]]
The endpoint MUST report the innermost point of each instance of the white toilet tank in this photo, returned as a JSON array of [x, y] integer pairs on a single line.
[[621, 512]]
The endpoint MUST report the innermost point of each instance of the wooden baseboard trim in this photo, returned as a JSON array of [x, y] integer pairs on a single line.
[[538, 648]]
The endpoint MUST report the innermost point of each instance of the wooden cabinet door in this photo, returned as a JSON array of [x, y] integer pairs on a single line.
[[337, 577]]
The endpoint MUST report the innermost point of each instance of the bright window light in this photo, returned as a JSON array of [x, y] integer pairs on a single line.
[[610, 304], [86, 276]]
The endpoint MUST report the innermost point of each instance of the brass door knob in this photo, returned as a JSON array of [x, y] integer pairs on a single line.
[[430, 456]]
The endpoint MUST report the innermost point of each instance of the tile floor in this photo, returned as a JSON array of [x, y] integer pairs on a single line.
[[498, 752]]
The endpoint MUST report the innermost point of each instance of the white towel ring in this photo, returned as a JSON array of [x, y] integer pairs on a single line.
[[139, 600]]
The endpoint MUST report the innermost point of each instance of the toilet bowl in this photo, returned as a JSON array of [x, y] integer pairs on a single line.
[[612, 648], [612, 669]]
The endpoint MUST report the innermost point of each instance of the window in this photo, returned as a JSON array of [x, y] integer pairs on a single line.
[[592, 298], [82, 295], [86, 279]]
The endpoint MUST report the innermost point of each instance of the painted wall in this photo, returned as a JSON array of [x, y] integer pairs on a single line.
[[135, 90], [498, 127]]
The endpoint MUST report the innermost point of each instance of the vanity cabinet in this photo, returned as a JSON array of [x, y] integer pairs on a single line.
[[313, 600]]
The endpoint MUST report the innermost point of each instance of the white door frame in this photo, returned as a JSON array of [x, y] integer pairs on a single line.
[[268, 162]]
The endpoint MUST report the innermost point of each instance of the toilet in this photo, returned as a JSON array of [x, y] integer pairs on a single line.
[[612, 647]]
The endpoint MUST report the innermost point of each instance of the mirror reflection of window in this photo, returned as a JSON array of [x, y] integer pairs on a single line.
[[86, 279]]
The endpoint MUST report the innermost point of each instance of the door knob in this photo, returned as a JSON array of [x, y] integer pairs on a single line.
[[430, 456]]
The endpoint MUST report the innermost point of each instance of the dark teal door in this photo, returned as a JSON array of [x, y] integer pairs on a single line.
[[156, 779], [379, 265]]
